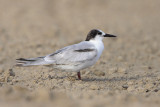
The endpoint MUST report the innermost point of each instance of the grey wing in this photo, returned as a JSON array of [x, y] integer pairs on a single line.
[[73, 54]]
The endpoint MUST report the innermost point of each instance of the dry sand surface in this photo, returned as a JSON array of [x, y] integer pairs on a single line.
[[127, 74]]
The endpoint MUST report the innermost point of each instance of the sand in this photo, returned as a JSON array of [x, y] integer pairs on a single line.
[[127, 74]]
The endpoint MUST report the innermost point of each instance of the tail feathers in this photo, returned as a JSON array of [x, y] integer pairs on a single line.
[[30, 61]]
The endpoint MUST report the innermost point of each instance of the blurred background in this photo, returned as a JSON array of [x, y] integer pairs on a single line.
[[127, 73]]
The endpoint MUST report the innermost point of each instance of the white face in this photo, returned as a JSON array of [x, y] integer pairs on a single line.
[[100, 35]]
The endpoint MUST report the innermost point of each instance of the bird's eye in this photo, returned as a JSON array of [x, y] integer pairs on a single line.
[[99, 33]]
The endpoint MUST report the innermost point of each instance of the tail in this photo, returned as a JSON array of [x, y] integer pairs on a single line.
[[30, 61]]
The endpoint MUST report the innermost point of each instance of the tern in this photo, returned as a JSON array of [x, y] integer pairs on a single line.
[[72, 58]]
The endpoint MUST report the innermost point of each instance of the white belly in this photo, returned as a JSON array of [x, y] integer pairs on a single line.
[[76, 66]]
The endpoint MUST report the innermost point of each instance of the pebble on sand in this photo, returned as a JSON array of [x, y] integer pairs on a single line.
[[94, 87], [121, 70], [125, 87], [2, 79], [9, 73], [99, 73]]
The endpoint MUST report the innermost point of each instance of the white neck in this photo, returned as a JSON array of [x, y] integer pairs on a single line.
[[98, 43]]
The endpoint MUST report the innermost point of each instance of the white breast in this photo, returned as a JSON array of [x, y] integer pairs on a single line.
[[99, 46]]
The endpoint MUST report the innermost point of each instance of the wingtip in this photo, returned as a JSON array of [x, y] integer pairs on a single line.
[[23, 59], [20, 59], [20, 62]]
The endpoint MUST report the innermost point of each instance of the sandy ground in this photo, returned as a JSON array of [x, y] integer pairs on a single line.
[[127, 74]]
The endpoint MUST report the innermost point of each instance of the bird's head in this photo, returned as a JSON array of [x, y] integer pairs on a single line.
[[96, 34]]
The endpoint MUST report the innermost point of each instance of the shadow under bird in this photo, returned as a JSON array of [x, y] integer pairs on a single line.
[[72, 58]]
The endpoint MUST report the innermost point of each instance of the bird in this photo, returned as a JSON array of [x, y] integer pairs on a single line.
[[72, 58]]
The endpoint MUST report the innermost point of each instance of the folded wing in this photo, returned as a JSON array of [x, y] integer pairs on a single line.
[[73, 54]]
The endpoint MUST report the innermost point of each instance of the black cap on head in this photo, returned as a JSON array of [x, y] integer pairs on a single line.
[[92, 34]]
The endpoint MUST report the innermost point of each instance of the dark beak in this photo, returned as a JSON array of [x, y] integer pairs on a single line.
[[109, 35]]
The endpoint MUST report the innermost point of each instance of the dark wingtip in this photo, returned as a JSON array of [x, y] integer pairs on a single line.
[[23, 59], [20, 59], [20, 62]]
